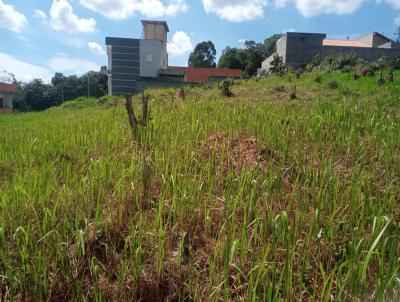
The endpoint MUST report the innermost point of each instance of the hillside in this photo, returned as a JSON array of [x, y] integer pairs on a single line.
[[287, 191]]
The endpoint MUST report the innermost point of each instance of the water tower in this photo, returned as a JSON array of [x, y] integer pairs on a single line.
[[158, 31]]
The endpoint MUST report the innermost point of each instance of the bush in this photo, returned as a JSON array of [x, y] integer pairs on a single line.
[[333, 85], [342, 63], [367, 72], [293, 94], [390, 77], [225, 87], [318, 79], [278, 67], [279, 88]]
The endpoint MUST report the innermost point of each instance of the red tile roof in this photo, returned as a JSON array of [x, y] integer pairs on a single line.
[[346, 43], [200, 75], [4, 111], [7, 88]]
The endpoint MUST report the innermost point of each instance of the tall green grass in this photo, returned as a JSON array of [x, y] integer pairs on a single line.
[[320, 221]]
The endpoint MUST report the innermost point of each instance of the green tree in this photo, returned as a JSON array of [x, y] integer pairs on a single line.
[[270, 45], [232, 58], [203, 55], [254, 57], [251, 57], [39, 96]]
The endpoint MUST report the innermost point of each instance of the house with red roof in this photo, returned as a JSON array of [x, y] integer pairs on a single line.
[[7, 92], [300, 48]]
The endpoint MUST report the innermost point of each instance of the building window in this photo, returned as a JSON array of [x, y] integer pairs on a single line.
[[149, 58], [1, 103]]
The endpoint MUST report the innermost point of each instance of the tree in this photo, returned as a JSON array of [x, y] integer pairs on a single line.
[[270, 45], [39, 96], [232, 58], [203, 55], [254, 57], [58, 79]]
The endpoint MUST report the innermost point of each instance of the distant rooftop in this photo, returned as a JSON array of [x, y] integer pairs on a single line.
[[7, 88], [156, 22], [200, 75], [345, 43]]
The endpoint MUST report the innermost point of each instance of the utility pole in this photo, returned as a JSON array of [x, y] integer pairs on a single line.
[[88, 85], [397, 35]]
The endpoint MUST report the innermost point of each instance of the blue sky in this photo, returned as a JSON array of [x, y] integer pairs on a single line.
[[40, 37]]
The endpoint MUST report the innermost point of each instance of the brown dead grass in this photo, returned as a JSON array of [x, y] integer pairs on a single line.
[[235, 153]]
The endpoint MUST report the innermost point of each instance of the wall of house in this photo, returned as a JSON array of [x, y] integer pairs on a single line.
[[157, 31], [392, 45], [154, 31], [301, 48], [266, 64], [6, 106], [280, 51], [150, 58], [368, 54], [124, 57], [373, 40], [281, 48]]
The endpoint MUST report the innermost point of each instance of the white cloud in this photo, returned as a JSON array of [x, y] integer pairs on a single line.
[[181, 44], [71, 65], [242, 41], [10, 18], [311, 8], [96, 48], [23, 71], [247, 10], [63, 18], [124, 9], [41, 15], [394, 3], [236, 10]]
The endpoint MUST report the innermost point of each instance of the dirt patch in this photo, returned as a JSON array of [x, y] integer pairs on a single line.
[[235, 153]]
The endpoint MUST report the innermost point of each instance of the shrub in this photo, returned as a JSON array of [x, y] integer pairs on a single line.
[[381, 80], [334, 62], [318, 79], [390, 77], [293, 94], [225, 87], [279, 88], [333, 85], [367, 71], [278, 67], [356, 75], [394, 64]]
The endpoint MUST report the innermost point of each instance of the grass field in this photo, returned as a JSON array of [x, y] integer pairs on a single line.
[[250, 198]]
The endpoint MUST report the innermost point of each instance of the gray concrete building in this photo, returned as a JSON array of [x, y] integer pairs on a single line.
[[130, 60], [300, 48]]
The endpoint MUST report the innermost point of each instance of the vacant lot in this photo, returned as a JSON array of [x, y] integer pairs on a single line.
[[287, 191]]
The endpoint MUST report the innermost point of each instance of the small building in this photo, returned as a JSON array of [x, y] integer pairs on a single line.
[[136, 63], [300, 48], [7, 92]]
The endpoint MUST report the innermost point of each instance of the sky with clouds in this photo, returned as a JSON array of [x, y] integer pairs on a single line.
[[41, 37]]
